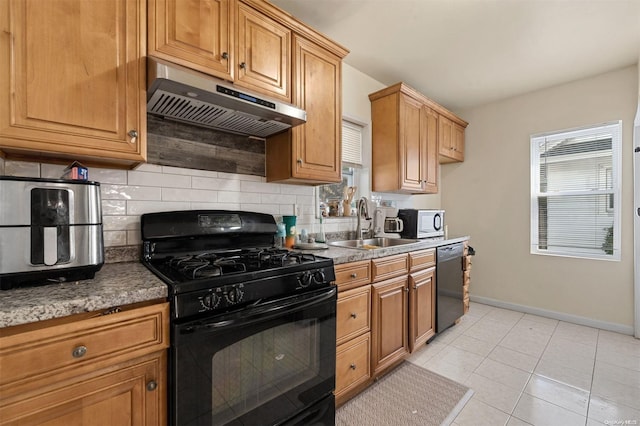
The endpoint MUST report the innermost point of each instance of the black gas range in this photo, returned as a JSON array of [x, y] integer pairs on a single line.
[[252, 325]]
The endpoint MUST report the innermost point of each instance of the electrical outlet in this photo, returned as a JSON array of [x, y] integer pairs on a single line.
[[297, 210]]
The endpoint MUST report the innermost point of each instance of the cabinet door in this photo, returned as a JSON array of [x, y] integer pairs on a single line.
[[263, 53], [451, 140], [421, 307], [134, 395], [412, 152], [72, 79], [458, 142], [196, 34], [445, 129], [430, 164], [318, 83], [389, 316]]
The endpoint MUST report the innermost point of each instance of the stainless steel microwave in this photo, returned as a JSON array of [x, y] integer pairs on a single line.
[[420, 223]]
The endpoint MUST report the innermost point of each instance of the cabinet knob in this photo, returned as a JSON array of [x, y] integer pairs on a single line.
[[352, 366], [133, 134], [79, 352], [152, 385], [354, 315], [225, 55], [415, 288], [354, 275], [243, 65], [299, 160], [406, 289]]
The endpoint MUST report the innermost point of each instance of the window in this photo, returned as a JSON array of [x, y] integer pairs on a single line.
[[352, 135], [575, 192]]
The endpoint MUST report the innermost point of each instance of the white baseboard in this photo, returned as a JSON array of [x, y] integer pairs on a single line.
[[561, 316]]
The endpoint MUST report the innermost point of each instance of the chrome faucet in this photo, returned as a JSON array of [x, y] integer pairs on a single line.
[[362, 208]]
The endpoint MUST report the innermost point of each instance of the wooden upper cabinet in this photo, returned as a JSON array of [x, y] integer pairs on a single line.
[[429, 123], [263, 56], [72, 80], [412, 152], [451, 136], [311, 152], [195, 34], [404, 142]]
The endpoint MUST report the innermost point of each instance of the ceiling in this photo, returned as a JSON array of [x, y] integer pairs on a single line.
[[464, 53]]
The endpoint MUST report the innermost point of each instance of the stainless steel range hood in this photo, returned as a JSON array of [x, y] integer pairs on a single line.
[[189, 96]]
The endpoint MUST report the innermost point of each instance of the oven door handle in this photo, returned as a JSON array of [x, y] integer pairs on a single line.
[[259, 313]]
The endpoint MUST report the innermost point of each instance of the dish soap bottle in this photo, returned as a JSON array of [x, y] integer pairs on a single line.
[[320, 238]]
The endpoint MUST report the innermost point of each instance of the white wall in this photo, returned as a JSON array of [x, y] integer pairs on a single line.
[[488, 197]]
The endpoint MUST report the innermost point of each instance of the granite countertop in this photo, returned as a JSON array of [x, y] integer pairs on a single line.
[[116, 284], [346, 255]]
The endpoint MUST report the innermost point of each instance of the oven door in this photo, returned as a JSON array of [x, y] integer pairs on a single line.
[[266, 364]]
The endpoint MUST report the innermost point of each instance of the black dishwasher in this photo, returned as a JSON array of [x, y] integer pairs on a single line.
[[449, 279]]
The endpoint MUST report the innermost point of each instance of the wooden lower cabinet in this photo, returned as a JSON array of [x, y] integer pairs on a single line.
[[94, 368], [132, 395], [421, 301], [389, 314], [353, 367]]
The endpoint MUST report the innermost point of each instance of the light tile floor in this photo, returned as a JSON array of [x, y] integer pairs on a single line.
[[531, 370]]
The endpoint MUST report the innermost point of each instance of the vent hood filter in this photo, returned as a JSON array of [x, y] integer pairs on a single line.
[[189, 96]]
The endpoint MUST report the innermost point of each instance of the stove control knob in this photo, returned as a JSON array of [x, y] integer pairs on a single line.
[[319, 277], [305, 279], [210, 301], [234, 295]]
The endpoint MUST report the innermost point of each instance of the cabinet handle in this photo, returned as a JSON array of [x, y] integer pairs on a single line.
[[243, 65], [354, 315], [225, 55], [354, 275], [352, 366], [133, 134], [152, 385], [79, 352]]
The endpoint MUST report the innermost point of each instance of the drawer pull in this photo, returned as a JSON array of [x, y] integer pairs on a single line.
[[354, 275], [352, 366], [152, 385], [79, 352], [354, 315]]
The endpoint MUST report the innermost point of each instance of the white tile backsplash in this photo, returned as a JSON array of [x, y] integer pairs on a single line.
[[126, 194]]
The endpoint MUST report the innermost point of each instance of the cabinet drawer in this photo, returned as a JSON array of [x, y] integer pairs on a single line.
[[389, 267], [353, 363], [422, 259], [466, 263], [350, 275], [83, 345], [353, 313]]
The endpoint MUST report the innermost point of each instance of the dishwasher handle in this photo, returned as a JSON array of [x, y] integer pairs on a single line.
[[449, 252]]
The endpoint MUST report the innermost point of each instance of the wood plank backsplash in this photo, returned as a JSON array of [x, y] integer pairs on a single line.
[[176, 144]]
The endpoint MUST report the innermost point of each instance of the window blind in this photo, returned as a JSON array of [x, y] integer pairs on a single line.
[[351, 143], [575, 192]]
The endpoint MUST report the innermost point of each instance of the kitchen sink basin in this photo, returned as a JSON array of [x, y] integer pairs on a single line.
[[373, 243]]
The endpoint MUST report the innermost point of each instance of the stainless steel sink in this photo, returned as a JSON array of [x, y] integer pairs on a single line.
[[373, 243]]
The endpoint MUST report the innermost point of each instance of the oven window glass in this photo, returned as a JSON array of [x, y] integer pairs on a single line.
[[262, 367]]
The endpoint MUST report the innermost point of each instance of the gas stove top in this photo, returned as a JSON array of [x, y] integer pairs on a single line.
[[215, 260]]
